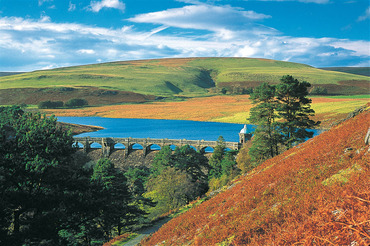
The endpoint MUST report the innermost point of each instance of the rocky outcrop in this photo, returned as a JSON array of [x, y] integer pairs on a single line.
[[352, 114], [367, 137]]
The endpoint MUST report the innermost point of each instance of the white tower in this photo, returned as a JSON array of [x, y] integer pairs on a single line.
[[244, 136]]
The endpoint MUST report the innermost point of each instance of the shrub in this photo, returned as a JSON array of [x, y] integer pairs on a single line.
[[50, 104], [76, 102], [318, 90]]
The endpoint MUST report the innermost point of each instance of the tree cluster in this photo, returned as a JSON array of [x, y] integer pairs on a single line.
[[282, 115], [76, 102], [72, 103], [47, 198], [180, 176], [50, 104], [174, 179], [318, 90], [222, 166], [236, 90]]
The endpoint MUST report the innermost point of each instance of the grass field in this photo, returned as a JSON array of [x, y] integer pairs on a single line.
[[186, 77], [230, 109]]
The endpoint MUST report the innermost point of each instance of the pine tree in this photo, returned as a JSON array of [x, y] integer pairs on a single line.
[[263, 114], [294, 109], [282, 115], [216, 158]]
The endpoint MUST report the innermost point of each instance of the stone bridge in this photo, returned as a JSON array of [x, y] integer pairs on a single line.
[[108, 144]]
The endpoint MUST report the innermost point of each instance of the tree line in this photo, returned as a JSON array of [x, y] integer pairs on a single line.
[[72, 103]]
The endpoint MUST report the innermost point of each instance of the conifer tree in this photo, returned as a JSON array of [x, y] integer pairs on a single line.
[[282, 115], [216, 158], [263, 114], [294, 109]]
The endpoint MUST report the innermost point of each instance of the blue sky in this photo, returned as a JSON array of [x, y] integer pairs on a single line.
[[44, 34]]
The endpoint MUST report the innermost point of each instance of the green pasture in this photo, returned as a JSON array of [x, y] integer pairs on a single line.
[[367, 96], [354, 70], [247, 69], [190, 77]]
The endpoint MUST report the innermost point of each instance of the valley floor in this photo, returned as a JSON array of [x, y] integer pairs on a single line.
[[228, 109]]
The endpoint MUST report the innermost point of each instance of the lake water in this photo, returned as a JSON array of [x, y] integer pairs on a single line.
[[148, 128], [171, 129]]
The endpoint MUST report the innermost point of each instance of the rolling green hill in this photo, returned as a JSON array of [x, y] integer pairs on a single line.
[[9, 73], [365, 71], [184, 77]]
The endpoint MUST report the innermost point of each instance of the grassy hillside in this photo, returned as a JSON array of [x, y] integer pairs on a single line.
[[187, 76], [317, 193], [365, 71], [225, 108], [8, 73]]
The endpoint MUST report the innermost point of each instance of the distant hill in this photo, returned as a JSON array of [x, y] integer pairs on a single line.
[[317, 193], [365, 71], [9, 73], [176, 77]]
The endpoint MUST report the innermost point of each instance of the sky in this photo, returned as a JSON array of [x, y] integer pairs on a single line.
[[45, 34]]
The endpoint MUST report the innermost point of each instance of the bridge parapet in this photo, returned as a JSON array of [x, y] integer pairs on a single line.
[[109, 143]]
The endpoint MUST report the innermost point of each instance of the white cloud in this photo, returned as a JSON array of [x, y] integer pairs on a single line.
[[96, 6], [302, 1], [41, 2], [201, 17], [86, 51], [28, 44], [225, 22], [365, 16], [72, 7], [359, 48]]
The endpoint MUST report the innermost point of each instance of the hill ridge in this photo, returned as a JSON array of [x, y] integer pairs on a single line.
[[184, 76]]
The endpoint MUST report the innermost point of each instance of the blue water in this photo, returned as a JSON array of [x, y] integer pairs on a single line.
[[148, 128]]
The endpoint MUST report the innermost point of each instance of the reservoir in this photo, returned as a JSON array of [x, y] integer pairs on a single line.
[[160, 129], [149, 128]]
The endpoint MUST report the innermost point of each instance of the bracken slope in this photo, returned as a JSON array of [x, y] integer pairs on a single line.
[[317, 193]]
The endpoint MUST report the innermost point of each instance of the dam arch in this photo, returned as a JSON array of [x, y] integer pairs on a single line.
[[108, 144]]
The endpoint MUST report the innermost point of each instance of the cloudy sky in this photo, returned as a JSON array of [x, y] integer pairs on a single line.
[[43, 34]]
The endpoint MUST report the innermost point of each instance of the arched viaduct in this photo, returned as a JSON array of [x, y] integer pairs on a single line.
[[108, 144]]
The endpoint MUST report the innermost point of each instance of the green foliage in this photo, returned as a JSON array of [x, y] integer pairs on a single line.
[[34, 156], [216, 158], [295, 109], [136, 181], [171, 189], [223, 166], [50, 104], [49, 199], [263, 114], [318, 90], [112, 198], [192, 162], [282, 115], [177, 178], [161, 160], [76, 102]]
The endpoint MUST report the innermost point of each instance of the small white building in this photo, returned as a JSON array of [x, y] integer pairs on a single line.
[[244, 135]]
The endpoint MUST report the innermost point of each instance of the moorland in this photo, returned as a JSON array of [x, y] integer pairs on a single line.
[[171, 88]]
